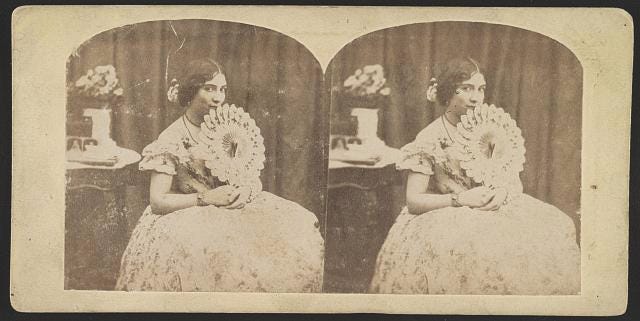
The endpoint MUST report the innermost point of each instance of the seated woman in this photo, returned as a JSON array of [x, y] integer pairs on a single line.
[[460, 236], [202, 234]]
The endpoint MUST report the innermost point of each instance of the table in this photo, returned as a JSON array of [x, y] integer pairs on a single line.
[[96, 231], [360, 213]]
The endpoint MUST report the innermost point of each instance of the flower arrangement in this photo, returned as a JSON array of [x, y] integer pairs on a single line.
[[367, 81], [93, 95], [100, 83]]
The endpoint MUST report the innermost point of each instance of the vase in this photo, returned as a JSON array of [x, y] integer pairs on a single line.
[[101, 128], [367, 125]]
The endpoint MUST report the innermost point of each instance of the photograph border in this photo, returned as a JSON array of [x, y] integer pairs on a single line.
[[601, 39]]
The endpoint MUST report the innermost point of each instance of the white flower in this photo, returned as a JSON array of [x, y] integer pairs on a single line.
[[99, 81], [350, 82], [367, 81], [370, 90], [82, 81], [432, 92], [373, 69], [172, 93]]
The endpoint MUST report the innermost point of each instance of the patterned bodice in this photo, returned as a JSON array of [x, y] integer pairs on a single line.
[[436, 153], [174, 153], [194, 177]]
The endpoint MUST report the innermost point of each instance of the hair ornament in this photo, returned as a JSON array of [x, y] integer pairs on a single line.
[[432, 90], [172, 93]]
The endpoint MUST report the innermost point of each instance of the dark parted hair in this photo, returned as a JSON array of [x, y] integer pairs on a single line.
[[195, 75], [451, 74]]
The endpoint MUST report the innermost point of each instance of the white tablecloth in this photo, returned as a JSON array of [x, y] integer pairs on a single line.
[[125, 157], [388, 155]]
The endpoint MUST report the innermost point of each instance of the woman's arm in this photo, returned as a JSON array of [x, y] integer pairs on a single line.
[[162, 200], [418, 200]]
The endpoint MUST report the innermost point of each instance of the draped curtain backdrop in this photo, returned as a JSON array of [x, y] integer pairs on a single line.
[[537, 80], [271, 75]]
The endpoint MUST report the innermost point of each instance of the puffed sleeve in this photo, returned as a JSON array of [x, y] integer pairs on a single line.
[[415, 158], [164, 154], [157, 157], [422, 154]]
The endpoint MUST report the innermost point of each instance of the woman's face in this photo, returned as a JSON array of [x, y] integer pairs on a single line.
[[212, 94], [468, 95]]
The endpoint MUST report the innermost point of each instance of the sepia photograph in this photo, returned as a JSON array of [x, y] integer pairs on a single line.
[[489, 195], [208, 173], [159, 202], [321, 160]]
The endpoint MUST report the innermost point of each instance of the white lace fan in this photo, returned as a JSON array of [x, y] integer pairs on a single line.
[[493, 145], [234, 145]]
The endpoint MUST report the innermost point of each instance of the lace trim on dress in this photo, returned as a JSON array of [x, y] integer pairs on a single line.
[[162, 156], [255, 185], [514, 189], [421, 155]]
